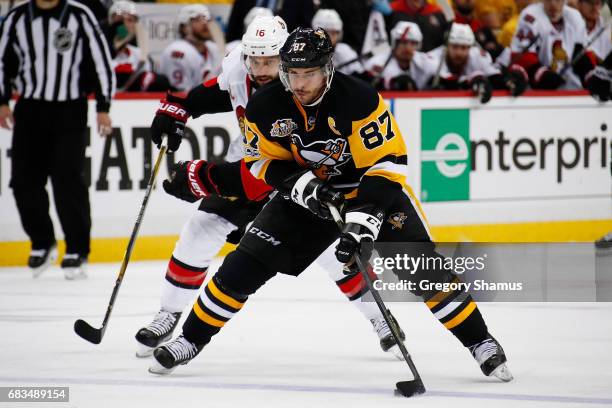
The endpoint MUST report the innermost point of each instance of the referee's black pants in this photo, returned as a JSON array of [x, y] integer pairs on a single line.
[[49, 140]]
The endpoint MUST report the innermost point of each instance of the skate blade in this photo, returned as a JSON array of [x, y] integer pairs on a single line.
[[159, 369], [36, 272], [74, 274], [144, 351], [503, 373], [396, 352]]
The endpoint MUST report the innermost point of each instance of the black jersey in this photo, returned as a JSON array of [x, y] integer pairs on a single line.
[[350, 139]]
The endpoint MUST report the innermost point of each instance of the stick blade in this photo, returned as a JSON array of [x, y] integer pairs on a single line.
[[410, 388], [87, 332]]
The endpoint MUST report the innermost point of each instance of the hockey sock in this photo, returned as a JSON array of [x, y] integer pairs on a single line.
[[181, 284], [213, 308], [458, 312], [354, 287]]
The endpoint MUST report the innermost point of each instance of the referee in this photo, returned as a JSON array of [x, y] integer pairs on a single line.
[[53, 52]]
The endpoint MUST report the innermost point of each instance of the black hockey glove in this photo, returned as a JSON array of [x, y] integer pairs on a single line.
[[359, 233], [190, 181], [402, 83], [481, 88], [598, 83], [170, 120], [312, 193], [517, 80], [547, 79]]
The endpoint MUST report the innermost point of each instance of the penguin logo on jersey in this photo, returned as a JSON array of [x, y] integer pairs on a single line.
[[323, 157], [283, 128], [62, 39], [397, 220]]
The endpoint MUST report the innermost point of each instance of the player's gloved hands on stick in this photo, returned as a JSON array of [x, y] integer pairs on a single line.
[[190, 181], [598, 84], [545, 78], [170, 120], [312, 193], [361, 228], [517, 80], [481, 88]]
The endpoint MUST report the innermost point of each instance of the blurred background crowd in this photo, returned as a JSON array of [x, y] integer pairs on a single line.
[[413, 45]]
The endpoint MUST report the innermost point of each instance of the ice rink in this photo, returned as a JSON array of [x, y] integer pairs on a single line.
[[296, 343]]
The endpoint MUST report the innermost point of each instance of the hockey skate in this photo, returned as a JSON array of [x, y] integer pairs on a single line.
[[492, 359], [387, 341], [155, 333], [172, 354], [41, 259], [74, 266]]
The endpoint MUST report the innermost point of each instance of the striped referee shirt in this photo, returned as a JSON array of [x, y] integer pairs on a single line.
[[54, 55]]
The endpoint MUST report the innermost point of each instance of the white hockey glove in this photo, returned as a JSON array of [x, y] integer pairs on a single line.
[[312, 193], [359, 233]]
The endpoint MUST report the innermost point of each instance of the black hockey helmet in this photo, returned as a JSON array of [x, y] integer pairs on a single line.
[[306, 48]]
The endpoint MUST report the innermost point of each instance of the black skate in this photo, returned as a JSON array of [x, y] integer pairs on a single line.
[[172, 354], [157, 332], [41, 259], [387, 341], [604, 243], [74, 266], [492, 359]]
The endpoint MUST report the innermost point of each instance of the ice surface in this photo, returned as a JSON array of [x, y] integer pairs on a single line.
[[296, 343]]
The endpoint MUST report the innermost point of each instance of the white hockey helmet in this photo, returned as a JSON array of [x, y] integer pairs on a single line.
[[264, 37], [406, 31], [461, 34], [327, 19], [192, 11], [256, 12], [122, 8]]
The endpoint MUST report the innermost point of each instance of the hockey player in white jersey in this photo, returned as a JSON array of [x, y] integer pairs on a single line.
[[250, 66], [463, 65], [404, 67], [189, 61], [345, 58], [549, 43]]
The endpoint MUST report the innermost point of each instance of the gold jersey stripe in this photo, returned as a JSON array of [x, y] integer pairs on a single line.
[[205, 317], [457, 320], [223, 297]]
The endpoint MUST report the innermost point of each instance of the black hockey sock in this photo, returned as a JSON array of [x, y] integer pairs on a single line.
[[458, 312], [213, 308]]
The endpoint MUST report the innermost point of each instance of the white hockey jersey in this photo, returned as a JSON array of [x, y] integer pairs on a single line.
[[128, 59], [479, 63], [235, 79], [554, 44], [186, 67], [343, 53], [422, 68], [602, 46]]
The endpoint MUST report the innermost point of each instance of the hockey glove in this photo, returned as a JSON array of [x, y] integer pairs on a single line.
[[517, 80], [312, 193], [359, 233], [170, 120], [190, 181], [598, 84], [481, 88], [547, 79], [402, 83]]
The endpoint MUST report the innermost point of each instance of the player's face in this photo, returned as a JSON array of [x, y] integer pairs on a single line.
[[307, 84], [458, 54], [334, 36], [590, 9], [263, 69], [199, 28], [553, 9], [404, 51]]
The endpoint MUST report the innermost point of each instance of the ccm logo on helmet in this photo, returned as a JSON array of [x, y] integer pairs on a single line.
[[265, 236]]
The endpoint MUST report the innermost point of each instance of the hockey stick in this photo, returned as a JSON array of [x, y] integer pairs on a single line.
[[358, 58], [405, 388], [81, 327], [584, 50]]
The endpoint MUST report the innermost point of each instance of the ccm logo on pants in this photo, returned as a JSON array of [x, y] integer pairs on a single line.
[[265, 236]]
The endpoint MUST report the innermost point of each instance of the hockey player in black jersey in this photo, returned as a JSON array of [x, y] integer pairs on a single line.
[[322, 137]]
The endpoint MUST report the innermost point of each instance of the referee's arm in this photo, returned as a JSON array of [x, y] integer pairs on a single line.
[[7, 62]]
